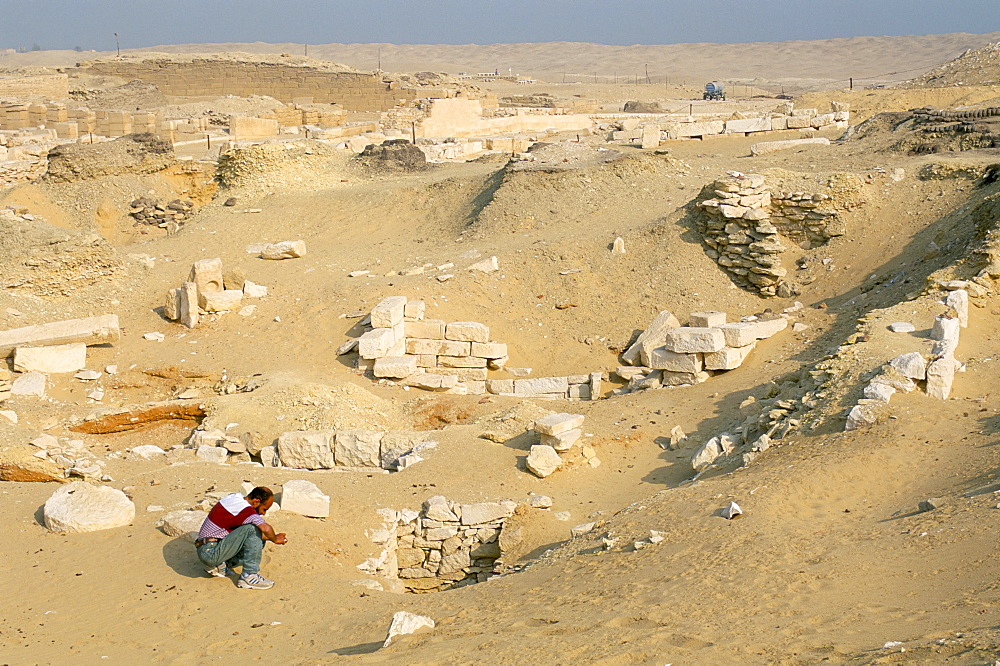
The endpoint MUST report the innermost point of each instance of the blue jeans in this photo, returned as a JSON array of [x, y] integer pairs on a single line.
[[243, 547]]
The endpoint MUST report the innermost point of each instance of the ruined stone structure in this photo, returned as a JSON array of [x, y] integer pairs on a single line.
[[355, 91], [42, 86]]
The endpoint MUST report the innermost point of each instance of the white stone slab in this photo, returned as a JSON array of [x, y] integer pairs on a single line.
[[306, 449], [664, 359], [54, 359], [467, 331], [396, 367], [692, 340], [305, 499], [389, 312], [358, 448], [543, 460], [728, 358], [82, 507], [554, 424]]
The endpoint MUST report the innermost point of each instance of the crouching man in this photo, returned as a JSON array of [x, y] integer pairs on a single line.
[[233, 535]]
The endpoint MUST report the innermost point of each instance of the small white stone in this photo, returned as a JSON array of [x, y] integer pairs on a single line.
[[732, 511], [10, 415], [540, 502], [406, 623], [902, 327], [88, 375], [154, 336], [582, 529]]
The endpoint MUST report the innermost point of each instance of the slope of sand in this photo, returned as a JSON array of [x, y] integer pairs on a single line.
[[830, 562]]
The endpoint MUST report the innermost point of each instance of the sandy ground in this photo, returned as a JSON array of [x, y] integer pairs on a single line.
[[830, 561]]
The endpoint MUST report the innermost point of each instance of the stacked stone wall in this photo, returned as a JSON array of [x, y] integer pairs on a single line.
[[45, 86]]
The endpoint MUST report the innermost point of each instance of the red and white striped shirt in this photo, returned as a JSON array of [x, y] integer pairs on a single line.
[[228, 514]]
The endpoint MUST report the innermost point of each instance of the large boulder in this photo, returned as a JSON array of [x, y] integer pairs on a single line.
[[395, 154], [82, 507]]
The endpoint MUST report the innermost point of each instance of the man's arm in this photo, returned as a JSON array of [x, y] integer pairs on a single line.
[[269, 534]]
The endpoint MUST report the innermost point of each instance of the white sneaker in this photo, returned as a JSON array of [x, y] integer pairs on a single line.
[[254, 582], [218, 571]]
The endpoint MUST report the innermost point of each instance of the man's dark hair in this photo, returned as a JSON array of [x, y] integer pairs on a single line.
[[262, 493]]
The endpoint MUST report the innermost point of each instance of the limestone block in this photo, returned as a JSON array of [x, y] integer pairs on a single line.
[[765, 328], [486, 512], [748, 125], [650, 136], [542, 460], [358, 448], [81, 507], [940, 375], [431, 381], [441, 533], [213, 454], [664, 359], [958, 300], [823, 119], [682, 130], [799, 122], [306, 449], [406, 623], [728, 358], [207, 275], [414, 310], [464, 374], [389, 312], [30, 384], [461, 362], [912, 365], [491, 265], [498, 386], [578, 392], [254, 290], [669, 378], [467, 331], [184, 524], [655, 334], [91, 331], [172, 305], [707, 454], [564, 441], [707, 319], [376, 343], [691, 340], [269, 456], [537, 385], [596, 380], [189, 315], [284, 250], [437, 347], [220, 301], [53, 359], [767, 147], [146, 452], [879, 391], [304, 498], [490, 350], [396, 367], [429, 329], [865, 415], [554, 424], [437, 508]]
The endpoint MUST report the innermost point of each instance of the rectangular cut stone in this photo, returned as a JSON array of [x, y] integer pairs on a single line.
[[579, 392], [564, 441], [464, 374], [376, 343], [358, 448], [596, 380], [799, 122], [467, 331], [396, 367], [739, 334], [53, 359], [694, 339], [437, 347], [554, 424], [765, 328], [461, 362], [654, 334], [541, 385], [748, 125], [664, 359], [306, 449], [304, 498], [389, 312], [189, 315], [430, 329], [90, 331], [172, 305], [414, 310], [440, 533], [682, 378], [727, 358], [940, 375], [650, 136], [708, 319], [489, 349], [475, 387], [486, 512], [682, 130], [427, 360], [207, 275], [220, 301], [498, 386], [431, 381]]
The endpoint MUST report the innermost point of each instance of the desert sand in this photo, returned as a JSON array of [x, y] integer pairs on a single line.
[[832, 561]]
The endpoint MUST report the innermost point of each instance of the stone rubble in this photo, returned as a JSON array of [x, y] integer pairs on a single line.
[[208, 290]]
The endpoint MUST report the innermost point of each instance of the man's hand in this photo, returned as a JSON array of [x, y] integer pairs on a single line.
[[280, 539], [268, 532]]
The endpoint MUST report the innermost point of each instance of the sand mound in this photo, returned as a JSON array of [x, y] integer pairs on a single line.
[[131, 154], [978, 67]]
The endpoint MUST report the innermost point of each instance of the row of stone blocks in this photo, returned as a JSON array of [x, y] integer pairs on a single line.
[[326, 449], [446, 544]]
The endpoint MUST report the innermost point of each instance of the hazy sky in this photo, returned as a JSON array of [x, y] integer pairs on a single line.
[[91, 24]]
